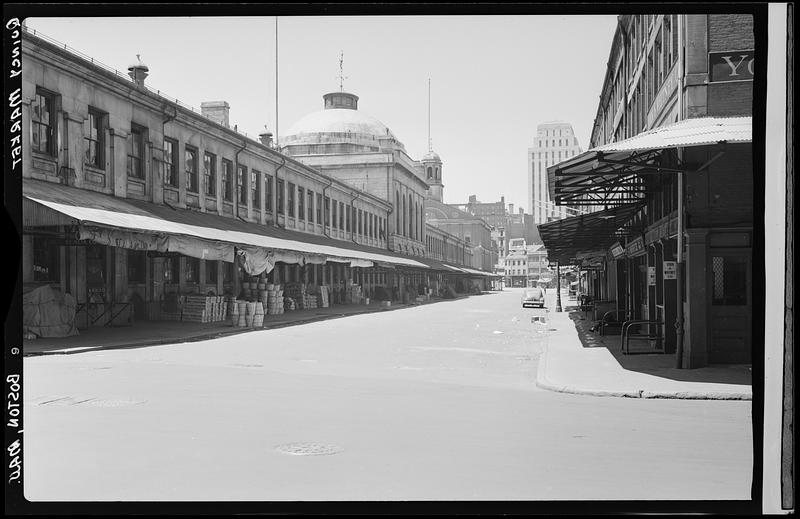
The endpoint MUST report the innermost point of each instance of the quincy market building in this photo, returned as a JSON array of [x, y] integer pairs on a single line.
[[131, 198], [671, 168]]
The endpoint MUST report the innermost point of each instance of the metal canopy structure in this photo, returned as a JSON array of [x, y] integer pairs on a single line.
[[568, 239], [611, 175]]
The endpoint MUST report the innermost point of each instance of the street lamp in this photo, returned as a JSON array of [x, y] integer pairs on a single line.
[[558, 287]]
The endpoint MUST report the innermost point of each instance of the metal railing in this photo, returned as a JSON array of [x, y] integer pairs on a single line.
[[611, 319], [107, 309], [627, 326]]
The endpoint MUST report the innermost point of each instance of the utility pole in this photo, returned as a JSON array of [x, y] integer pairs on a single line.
[[558, 287]]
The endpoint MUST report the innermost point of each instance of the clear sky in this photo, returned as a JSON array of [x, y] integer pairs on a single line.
[[493, 78]]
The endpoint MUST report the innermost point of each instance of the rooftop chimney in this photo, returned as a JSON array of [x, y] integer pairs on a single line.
[[521, 210], [138, 72], [217, 111], [265, 138], [511, 208]]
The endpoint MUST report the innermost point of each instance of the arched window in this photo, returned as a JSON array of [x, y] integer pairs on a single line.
[[405, 218], [438, 175], [397, 228], [430, 172], [410, 217], [417, 228]]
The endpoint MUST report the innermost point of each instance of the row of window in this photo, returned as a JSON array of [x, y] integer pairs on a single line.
[[409, 216], [447, 251], [658, 62], [300, 203], [556, 133], [554, 158], [564, 142]]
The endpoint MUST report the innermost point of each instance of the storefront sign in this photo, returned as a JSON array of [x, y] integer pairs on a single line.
[[730, 66], [636, 247], [651, 276], [670, 270], [617, 250]]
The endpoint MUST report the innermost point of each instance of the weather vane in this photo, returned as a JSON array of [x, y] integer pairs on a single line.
[[341, 76]]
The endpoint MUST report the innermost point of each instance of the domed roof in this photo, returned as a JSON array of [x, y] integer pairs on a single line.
[[340, 120], [431, 156]]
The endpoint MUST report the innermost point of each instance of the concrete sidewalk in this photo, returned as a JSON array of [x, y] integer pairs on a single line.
[[576, 360], [152, 333]]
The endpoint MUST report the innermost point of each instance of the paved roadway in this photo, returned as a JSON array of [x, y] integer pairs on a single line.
[[436, 402]]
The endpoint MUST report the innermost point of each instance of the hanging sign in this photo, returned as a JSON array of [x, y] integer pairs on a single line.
[[670, 270], [636, 247], [617, 250], [651, 276]]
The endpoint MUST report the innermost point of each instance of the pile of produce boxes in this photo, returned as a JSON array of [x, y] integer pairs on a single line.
[[203, 309]]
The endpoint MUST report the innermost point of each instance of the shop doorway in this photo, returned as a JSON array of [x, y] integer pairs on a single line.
[[730, 275]]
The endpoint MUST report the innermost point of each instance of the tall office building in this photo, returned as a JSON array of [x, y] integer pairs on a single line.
[[554, 143]]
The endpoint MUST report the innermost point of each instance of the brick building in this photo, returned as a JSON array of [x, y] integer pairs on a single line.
[[671, 170]]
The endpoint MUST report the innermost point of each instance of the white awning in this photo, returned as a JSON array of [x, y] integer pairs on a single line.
[[700, 131], [139, 220]]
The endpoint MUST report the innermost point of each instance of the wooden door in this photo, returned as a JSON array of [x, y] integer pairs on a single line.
[[730, 274]]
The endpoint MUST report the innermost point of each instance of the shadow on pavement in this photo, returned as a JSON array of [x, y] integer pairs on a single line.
[[657, 364]]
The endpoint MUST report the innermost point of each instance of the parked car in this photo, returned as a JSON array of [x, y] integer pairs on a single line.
[[533, 297]]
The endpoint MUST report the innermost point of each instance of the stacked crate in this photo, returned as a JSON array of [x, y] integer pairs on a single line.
[[295, 293], [310, 301], [274, 300], [203, 309]]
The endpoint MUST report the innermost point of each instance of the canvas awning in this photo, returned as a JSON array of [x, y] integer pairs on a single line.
[[571, 239], [610, 175], [143, 225]]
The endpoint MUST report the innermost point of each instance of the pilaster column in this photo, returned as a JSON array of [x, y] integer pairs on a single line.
[[697, 329]]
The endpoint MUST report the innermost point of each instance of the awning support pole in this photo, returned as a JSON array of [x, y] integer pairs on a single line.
[[679, 280], [558, 287]]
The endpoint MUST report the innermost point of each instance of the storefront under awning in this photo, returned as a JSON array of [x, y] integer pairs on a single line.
[[570, 239], [144, 225], [609, 175]]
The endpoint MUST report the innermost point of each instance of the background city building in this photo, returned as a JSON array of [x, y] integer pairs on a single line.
[[554, 143]]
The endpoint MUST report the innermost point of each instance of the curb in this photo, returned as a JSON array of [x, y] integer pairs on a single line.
[[544, 383], [212, 335]]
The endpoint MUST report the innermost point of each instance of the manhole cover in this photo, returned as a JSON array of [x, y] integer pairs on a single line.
[[308, 449]]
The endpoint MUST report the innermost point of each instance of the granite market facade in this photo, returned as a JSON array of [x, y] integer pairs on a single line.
[[131, 199]]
